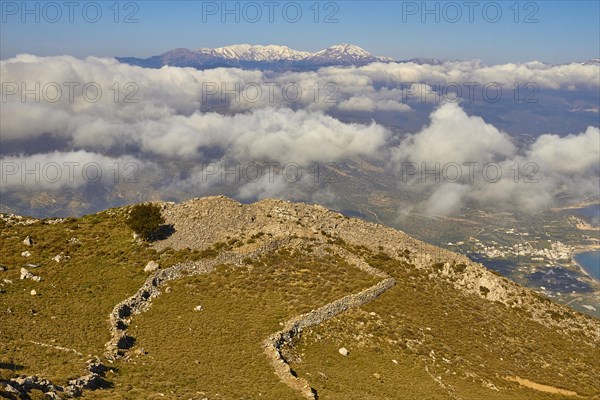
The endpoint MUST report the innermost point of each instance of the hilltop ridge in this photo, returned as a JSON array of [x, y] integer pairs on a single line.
[[282, 300]]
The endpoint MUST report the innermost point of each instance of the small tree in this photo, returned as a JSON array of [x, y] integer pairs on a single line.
[[145, 220]]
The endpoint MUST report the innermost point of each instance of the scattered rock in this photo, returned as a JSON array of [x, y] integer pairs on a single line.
[[8, 281], [395, 362], [74, 240], [343, 351], [168, 289], [32, 265], [11, 389], [377, 376], [151, 266], [28, 241], [33, 292], [140, 351], [26, 254], [60, 257], [198, 308], [3, 268], [25, 274]]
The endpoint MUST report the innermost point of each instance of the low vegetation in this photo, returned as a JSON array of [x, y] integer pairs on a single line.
[[202, 337], [145, 220]]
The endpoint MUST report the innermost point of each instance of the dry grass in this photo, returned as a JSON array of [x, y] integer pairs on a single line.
[[217, 353], [445, 343], [466, 342]]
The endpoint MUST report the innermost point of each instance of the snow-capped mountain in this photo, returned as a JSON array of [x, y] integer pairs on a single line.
[[343, 53], [259, 57], [593, 61], [247, 52]]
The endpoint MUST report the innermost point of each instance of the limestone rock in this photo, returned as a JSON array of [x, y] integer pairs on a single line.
[[60, 257], [25, 274], [151, 266]]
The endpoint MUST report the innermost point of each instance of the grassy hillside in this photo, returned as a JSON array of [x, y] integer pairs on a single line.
[[459, 346], [202, 336]]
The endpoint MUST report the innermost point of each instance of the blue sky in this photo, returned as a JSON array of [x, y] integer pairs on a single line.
[[552, 31]]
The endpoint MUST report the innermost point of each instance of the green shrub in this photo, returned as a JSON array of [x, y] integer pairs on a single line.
[[145, 219]]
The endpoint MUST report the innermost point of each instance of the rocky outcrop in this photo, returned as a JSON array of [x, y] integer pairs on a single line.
[[200, 222]]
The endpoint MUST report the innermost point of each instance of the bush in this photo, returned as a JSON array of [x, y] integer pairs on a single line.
[[145, 220]]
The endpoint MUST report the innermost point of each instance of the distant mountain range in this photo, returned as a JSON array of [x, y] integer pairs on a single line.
[[248, 56], [277, 58]]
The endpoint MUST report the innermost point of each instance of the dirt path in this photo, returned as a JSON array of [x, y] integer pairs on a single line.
[[539, 387]]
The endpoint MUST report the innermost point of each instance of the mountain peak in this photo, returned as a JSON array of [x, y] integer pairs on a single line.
[[246, 55], [248, 52]]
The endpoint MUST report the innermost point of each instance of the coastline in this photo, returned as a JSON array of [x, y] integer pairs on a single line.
[[576, 263]]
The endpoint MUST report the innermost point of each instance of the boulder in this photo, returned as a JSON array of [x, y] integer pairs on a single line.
[[26, 254], [198, 308], [343, 351], [33, 292], [151, 266], [3, 268], [25, 274], [28, 241]]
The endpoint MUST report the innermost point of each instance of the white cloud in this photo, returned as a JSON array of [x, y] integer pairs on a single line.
[[176, 119]]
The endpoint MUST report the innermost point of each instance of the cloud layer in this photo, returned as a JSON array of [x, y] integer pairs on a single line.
[[179, 118]]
